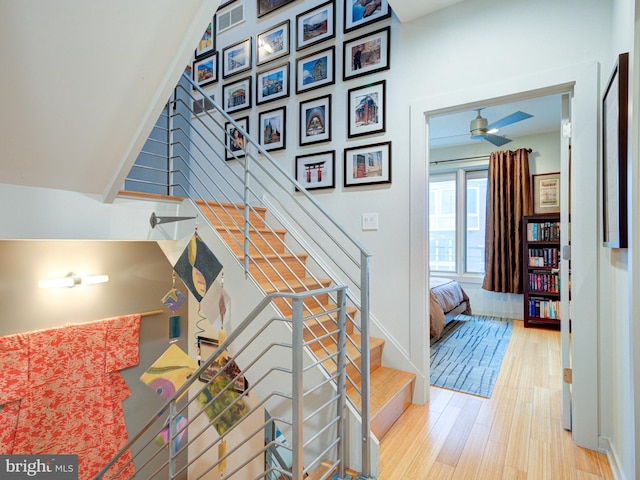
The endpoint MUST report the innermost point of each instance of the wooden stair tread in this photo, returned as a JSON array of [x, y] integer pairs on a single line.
[[228, 205], [252, 229], [302, 284], [385, 383], [352, 351]]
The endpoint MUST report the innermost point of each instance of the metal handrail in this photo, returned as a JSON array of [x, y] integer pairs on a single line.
[[146, 459], [199, 151]]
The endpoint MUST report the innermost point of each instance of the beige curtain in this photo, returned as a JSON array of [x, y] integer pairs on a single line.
[[508, 199]]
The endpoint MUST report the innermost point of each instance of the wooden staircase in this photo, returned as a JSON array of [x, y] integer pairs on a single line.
[[274, 269]]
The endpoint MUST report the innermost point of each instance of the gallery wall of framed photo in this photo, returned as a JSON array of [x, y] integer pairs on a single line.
[[308, 80]]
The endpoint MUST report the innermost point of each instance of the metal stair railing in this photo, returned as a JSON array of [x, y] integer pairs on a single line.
[[316, 411], [232, 184]]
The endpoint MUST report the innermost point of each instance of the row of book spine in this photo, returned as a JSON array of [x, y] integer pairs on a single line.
[[543, 257], [544, 282], [543, 232], [540, 308]]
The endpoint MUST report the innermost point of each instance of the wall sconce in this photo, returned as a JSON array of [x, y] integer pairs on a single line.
[[72, 279]]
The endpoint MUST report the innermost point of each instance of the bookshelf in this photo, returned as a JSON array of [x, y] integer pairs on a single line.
[[541, 270]]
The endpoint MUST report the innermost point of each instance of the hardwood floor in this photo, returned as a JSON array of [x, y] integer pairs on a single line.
[[516, 434]]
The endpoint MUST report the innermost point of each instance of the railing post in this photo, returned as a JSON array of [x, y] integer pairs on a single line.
[[364, 365], [342, 379], [297, 388], [172, 443], [246, 193], [169, 145]]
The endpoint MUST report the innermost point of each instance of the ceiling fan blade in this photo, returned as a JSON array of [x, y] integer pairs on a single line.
[[497, 140], [509, 119]]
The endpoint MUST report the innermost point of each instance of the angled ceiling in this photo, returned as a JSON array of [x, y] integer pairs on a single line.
[[83, 83], [407, 10]]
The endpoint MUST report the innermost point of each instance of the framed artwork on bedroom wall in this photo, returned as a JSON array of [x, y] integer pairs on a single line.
[[205, 70], [235, 141], [268, 6], [272, 84], [207, 43], [546, 193], [315, 70], [236, 96]]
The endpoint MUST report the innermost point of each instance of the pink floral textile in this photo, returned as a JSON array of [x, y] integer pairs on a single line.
[[68, 397]]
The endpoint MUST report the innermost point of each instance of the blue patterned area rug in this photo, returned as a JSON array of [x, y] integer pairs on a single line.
[[468, 355]]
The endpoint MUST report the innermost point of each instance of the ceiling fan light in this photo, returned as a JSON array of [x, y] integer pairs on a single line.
[[493, 130]]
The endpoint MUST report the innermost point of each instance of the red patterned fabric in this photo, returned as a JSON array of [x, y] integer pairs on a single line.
[[68, 396]]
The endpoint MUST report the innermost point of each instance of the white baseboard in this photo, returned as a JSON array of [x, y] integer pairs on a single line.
[[614, 461]]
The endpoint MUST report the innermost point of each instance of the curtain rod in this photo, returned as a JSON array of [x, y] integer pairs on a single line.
[[475, 157], [152, 312]]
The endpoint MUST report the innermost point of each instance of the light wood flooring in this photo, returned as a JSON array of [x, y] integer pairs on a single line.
[[517, 434]]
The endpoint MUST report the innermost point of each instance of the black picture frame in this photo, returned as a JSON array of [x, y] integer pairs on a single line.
[[267, 6], [357, 15], [316, 25], [237, 58], [367, 54], [207, 43], [236, 95], [315, 171], [367, 165], [315, 121], [273, 43], [366, 109], [316, 70], [235, 138], [272, 125], [205, 70], [615, 132], [272, 84]]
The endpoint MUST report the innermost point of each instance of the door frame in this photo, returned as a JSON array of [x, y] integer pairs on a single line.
[[583, 81]]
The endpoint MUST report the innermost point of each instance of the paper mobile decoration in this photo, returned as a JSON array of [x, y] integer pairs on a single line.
[[198, 267], [169, 372], [174, 299]]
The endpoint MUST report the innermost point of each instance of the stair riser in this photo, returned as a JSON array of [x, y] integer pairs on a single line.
[[232, 217], [265, 243], [286, 269], [321, 325], [382, 422], [285, 307]]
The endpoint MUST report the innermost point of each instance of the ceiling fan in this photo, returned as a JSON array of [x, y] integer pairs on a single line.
[[481, 129]]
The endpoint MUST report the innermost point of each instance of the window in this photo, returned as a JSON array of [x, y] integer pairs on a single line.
[[457, 210]]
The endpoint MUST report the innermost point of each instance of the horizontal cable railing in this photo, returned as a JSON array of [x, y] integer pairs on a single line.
[[252, 201], [178, 442]]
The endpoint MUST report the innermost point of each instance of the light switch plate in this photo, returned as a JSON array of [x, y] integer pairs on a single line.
[[369, 221]]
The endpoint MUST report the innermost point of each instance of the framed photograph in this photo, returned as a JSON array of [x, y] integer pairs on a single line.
[[207, 43], [202, 105], [268, 6], [236, 58], [272, 125], [205, 70], [235, 140], [316, 170], [546, 193], [315, 70], [237, 95], [366, 109], [273, 43], [315, 120], [272, 84], [615, 132], [358, 13], [316, 25], [207, 347], [366, 54], [367, 165]]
